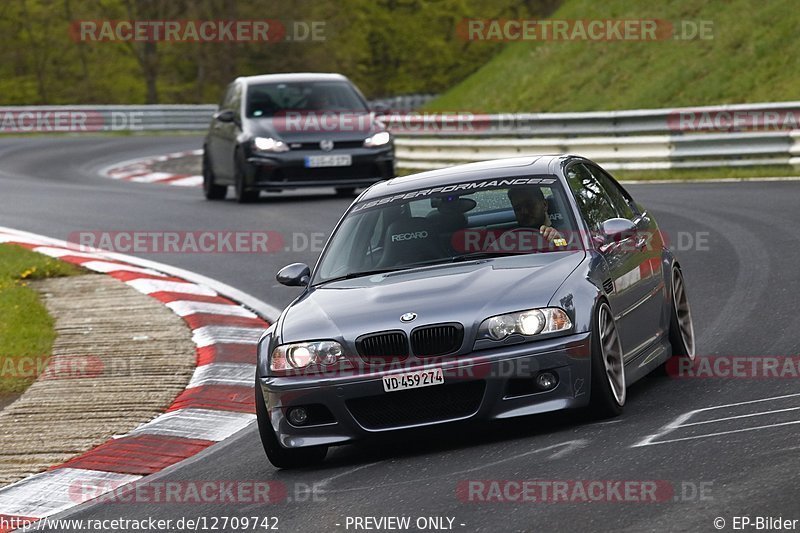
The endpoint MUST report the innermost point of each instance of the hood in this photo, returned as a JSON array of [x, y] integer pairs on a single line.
[[314, 127], [467, 293]]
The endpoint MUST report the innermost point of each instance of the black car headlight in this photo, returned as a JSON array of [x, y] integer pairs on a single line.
[[302, 355], [528, 323], [268, 144]]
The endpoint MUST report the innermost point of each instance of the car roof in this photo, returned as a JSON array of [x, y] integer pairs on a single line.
[[291, 77], [496, 168]]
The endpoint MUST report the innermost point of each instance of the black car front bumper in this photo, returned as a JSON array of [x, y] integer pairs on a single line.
[[288, 170]]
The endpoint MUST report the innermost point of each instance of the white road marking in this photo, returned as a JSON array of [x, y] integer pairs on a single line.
[[741, 430], [208, 335], [679, 422], [106, 267], [53, 251], [740, 416], [149, 286], [151, 177], [53, 491], [189, 181], [191, 423], [189, 307], [241, 374]]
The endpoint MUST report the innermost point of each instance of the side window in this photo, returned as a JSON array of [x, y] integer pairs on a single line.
[[592, 200], [618, 197]]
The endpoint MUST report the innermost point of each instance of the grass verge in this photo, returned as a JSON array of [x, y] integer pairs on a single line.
[[26, 329]]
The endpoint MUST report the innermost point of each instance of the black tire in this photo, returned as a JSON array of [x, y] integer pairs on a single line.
[[211, 190], [606, 400], [345, 191], [279, 456], [681, 327], [243, 194]]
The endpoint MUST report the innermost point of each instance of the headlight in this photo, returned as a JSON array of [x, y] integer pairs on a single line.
[[300, 355], [530, 322], [268, 144], [379, 139]]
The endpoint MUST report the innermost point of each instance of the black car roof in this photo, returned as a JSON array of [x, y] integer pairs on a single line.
[[496, 168]]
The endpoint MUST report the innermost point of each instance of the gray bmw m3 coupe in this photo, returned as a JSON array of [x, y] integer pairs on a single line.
[[479, 292]]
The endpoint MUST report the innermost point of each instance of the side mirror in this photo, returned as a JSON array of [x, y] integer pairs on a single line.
[[617, 229], [294, 275], [379, 108], [226, 115]]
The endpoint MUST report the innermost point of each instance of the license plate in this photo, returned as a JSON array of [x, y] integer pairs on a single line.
[[413, 380], [316, 161]]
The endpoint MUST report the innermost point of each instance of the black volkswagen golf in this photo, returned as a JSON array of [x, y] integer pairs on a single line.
[[286, 131]]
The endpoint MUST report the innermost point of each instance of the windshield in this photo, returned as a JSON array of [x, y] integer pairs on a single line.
[[270, 99], [459, 222]]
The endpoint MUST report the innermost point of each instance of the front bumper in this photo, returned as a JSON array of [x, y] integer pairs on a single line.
[[287, 170], [486, 385]]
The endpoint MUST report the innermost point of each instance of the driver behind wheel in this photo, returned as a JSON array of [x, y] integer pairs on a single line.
[[530, 209]]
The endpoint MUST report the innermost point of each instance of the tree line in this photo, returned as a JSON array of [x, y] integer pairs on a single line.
[[387, 47]]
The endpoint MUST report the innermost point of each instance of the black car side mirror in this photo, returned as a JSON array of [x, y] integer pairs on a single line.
[[226, 115], [380, 108], [294, 275]]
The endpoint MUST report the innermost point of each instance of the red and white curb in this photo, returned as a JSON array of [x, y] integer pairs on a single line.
[[141, 170], [217, 402]]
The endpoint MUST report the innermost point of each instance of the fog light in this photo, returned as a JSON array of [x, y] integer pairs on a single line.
[[546, 381], [297, 416]]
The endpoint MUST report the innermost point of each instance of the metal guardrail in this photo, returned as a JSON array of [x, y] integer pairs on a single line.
[[92, 118], [633, 139], [624, 152]]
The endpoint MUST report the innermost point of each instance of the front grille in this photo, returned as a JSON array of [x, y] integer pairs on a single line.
[[383, 347], [357, 171], [418, 406], [436, 340]]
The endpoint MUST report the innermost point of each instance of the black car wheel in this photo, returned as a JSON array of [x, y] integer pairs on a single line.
[[279, 456], [608, 369], [681, 328], [210, 189], [243, 194]]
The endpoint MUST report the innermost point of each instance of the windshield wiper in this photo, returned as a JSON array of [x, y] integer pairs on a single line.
[[411, 266], [352, 275], [479, 255]]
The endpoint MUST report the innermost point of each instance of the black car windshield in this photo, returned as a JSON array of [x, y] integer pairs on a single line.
[[450, 224], [270, 99]]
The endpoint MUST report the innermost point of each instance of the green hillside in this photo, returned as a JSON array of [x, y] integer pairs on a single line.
[[752, 57]]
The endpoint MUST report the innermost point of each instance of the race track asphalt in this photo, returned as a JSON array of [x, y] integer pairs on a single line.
[[741, 267]]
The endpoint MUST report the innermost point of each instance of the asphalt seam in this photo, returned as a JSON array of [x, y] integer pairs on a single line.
[[217, 403]]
